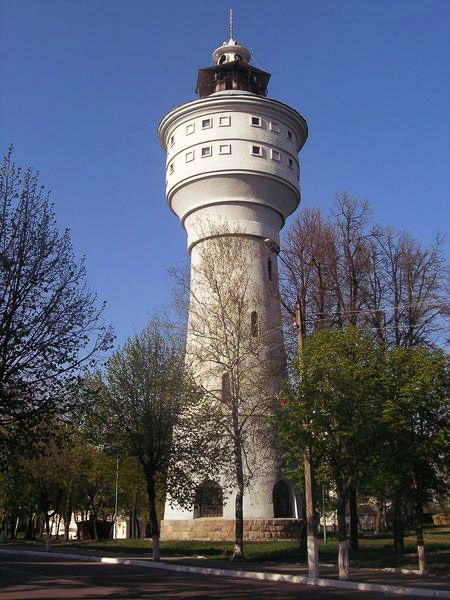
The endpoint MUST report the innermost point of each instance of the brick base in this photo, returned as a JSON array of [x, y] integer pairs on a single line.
[[218, 529]]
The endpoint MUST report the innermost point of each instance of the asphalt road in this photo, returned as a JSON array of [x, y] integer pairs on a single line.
[[32, 577]]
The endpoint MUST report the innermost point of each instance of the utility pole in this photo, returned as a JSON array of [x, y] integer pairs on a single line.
[[117, 496], [312, 544]]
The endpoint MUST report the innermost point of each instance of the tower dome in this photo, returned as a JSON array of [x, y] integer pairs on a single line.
[[231, 51]]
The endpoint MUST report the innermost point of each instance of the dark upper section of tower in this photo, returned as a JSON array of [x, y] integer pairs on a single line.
[[232, 71]]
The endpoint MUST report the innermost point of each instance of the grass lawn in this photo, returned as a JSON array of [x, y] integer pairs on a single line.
[[375, 551]]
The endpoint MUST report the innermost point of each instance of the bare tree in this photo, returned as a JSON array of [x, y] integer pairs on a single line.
[[310, 242], [351, 271], [49, 320], [350, 267], [235, 348], [414, 295]]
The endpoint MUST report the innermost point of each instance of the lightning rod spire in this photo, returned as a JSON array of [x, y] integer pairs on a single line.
[[230, 24]]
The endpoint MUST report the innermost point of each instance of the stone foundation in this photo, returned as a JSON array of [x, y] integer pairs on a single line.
[[219, 529], [441, 519]]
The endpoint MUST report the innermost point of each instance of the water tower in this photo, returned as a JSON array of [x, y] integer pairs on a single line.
[[232, 156]]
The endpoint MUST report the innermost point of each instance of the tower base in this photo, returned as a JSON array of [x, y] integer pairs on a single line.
[[219, 529]]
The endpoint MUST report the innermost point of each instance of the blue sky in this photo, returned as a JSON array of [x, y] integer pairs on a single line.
[[85, 83]]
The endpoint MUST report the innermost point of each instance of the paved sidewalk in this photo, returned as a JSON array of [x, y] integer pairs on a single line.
[[440, 585]]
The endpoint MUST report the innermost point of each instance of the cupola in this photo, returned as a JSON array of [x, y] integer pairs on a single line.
[[231, 51], [232, 71]]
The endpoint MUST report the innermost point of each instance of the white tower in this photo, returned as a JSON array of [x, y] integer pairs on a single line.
[[232, 156]]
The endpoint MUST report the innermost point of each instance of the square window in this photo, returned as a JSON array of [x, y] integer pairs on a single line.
[[171, 168], [190, 156], [275, 154], [289, 134], [291, 163], [225, 149], [224, 121], [256, 150], [172, 140], [206, 123], [255, 121], [190, 128], [206, 151], [274, 127]]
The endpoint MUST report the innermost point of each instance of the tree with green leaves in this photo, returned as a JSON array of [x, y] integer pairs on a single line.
[[97, 493], [152, 409], [60, 476], [416, 418], [346, 269], [334, 410], [132, 494], [18, 500]]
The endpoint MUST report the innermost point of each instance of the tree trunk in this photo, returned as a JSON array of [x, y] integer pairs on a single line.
[[131, 530], [29, 531], [5, 527], [14, 526], [343, 559], [42, 527], [378, 516], [420, 541], [67, 520], [77, 519], [58, 525], [133, 514], [95, 527], [138, 528], [239, 503], [37, 532], [12, 521], [239, 526], [303, 534], [155, 548], [311, 529], [154, 525], [47, 531], [398, 524], [353, 509]]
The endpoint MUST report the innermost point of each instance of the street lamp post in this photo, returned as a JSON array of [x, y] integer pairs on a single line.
[[312, 545], [116, 499]]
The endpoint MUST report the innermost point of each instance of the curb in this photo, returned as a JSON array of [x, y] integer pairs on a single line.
[[396, 570], [262, 576]]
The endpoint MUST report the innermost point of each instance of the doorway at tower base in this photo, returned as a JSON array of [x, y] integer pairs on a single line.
[[219, 529]]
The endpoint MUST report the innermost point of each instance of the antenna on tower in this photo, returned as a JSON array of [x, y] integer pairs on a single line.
[[230, 24]]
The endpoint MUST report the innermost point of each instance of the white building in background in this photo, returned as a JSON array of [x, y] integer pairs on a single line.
[[120, 531], [232, 156]]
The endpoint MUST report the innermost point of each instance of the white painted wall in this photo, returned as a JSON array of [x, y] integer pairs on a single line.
[[231, 174], [214, 177]]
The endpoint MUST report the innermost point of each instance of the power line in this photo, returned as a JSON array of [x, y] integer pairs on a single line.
[[386, 309]]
